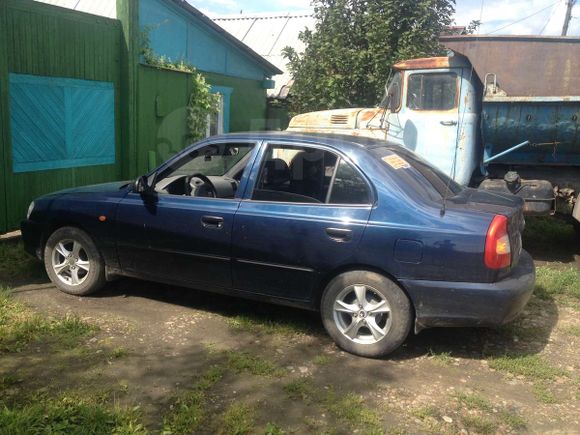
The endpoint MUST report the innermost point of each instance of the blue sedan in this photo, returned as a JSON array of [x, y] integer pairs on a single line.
[[367, 233]]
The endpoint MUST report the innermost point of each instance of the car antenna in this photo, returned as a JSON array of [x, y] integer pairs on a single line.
[[442, 211]]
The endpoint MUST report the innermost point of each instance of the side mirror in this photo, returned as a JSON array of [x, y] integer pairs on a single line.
[[142, 185], [394, 97]]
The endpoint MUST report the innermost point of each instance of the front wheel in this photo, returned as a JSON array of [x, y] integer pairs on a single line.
[[366, 313], [73, 262]]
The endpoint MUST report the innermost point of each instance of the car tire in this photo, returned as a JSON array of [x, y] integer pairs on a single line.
[[73, 262], [378, 327]]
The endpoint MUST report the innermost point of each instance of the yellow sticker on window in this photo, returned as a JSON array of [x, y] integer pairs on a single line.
[[396, 162]]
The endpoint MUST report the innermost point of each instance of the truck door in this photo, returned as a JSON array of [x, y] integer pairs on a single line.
[[428, 118]]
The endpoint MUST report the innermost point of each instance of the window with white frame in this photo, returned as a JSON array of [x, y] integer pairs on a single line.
[[215, 121]]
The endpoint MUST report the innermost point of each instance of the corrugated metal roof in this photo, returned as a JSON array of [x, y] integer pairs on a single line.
[[268, 34], [104, 8]]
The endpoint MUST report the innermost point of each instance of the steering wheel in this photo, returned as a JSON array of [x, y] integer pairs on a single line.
[[195, 182]]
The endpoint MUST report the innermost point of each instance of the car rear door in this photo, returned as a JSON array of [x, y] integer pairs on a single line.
[[291, 227]]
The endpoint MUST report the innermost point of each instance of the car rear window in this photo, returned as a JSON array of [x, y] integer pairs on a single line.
[[425, 178]]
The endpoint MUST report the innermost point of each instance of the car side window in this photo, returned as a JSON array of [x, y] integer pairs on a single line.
[[349, 186], [303, 174], [208, 171]]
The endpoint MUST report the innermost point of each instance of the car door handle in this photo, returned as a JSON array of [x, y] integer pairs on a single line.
[[448, 122], [339, 234], [212, 222]]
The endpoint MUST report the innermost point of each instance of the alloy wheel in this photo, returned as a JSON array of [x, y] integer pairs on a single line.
[[362, 314], [70, 262]]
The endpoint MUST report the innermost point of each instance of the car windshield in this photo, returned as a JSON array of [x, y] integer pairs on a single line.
[[439, 184]]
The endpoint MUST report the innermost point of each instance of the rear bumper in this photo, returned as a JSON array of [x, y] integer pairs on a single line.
[[443, 303], [32, 237]]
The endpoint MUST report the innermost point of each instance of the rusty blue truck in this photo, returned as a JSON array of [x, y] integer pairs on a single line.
[[498, 112]]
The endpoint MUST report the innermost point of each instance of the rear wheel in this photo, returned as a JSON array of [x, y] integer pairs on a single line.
[[366, 313], [73, 262]]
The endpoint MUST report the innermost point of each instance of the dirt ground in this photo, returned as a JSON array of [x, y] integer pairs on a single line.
[[284, 375]]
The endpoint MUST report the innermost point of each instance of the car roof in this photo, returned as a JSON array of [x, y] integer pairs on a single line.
[[340, 141]]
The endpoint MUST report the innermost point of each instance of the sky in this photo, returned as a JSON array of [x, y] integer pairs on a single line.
[[545, 16]]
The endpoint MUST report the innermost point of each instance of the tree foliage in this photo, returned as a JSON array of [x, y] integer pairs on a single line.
[[349, 55]]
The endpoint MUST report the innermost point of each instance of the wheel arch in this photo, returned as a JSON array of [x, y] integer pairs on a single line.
[[329, 276], [56, 225]]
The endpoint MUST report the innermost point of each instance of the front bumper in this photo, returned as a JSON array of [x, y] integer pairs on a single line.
[[444, 303], [32, 238]]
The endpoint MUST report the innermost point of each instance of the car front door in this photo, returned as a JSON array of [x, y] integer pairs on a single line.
[[303, 214], [187, 225]]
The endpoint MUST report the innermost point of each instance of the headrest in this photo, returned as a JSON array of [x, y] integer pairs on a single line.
[[306, 165], [277, 172]]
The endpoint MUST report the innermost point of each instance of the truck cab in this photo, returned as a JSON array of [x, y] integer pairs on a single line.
[[430, 107]]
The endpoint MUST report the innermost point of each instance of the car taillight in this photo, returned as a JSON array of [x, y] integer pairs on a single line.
[[497, 244]]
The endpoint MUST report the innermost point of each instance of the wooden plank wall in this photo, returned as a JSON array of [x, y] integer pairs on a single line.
[[45, 40]]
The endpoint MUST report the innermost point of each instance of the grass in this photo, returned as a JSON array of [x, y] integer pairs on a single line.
[[547, 234], [118, 352], [20, 326], [15, 263], [300, 389], [244, 362], [474, 401], [238, 419], [530, 366], [268, 326], [425, 411], [479, 424], [348, 408], [8, 380], [512, 419], [351, 409], [563, 284], [441, 358], [273, 429], [68, 416], [543, 394], [322, 360], [188, 411], [573, 330]]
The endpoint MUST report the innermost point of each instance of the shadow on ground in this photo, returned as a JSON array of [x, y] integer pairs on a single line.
[[528, 334]]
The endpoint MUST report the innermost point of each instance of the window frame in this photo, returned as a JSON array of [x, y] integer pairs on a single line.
[[260, 162], [220, 118], [457, 90]]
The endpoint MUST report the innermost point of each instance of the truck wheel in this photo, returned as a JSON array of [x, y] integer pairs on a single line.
[[366, 313], [73, 262]]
